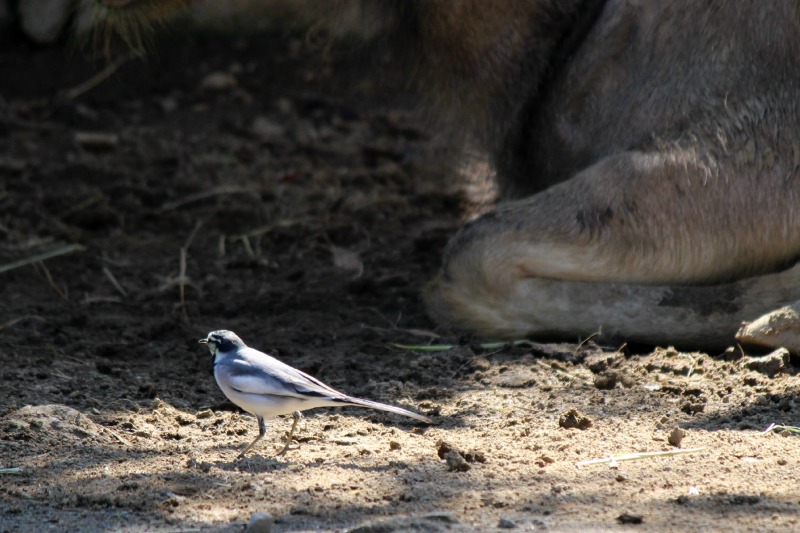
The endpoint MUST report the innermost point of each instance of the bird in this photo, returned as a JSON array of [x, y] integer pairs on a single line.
[[266, 387]]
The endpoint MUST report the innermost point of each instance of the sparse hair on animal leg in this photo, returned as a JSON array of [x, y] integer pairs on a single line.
[[102, 23]]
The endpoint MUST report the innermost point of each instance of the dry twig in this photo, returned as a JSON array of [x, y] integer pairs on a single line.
[[38, 258], [98, 78], [62, 292], [114, 282], [777, 427], [210, 193], [637, 456], [20, 319], [182, 280], [193, 234]]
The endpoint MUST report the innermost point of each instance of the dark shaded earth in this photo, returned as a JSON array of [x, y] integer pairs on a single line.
[[245, 182]]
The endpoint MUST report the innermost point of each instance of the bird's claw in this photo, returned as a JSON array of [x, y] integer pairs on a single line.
[[285, 449]]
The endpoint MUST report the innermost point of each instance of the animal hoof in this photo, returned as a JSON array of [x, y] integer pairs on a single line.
[[778, 329]]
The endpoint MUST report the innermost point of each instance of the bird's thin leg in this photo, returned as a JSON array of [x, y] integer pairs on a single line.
[[297, 416], [262, 430]]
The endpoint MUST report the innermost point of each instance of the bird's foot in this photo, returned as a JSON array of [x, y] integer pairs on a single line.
[[297, 415], [286, 448]]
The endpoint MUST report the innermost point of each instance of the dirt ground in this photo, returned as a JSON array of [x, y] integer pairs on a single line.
[[247, 183]]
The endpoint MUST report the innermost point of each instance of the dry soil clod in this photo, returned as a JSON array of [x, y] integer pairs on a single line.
[[474, 456], [770, 364], [627, 518], [456, 462], [676, 436], [574, 419]]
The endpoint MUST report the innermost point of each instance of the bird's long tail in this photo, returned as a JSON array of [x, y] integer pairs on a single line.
[[384, 407]]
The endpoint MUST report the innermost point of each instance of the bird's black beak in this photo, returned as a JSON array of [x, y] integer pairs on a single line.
[[203, 341]]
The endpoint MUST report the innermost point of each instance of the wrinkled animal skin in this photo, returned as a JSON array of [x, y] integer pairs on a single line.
[[648, 153]]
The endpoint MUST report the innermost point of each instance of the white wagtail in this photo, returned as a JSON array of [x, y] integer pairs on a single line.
[[266, 387]]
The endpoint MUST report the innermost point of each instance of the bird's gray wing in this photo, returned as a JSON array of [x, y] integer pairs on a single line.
[[255, 372]]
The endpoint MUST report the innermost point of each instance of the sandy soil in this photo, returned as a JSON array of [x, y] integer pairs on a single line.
[[241, 182]]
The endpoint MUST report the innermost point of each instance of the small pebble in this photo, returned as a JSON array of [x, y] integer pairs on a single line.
[[505, 523], [732, 354], [12, 166], [267, 130], [168, 105], [260, 522], [218, 82], [284, 106], [96, 140]]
